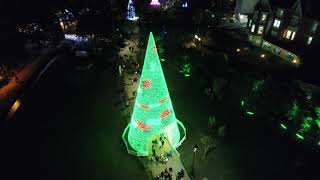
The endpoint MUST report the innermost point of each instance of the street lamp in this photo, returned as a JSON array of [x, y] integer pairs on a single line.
[[195, 147]]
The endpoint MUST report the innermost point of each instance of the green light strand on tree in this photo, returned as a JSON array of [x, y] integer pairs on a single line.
[[299, 136], [250, 113], [153, 113], [283, 126]]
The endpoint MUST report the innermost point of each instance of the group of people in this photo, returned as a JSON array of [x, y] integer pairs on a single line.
[[164, 155], [131, 48], [167, 174]]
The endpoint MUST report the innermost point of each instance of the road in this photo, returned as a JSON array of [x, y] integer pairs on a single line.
[[10, 90], [68, 128]]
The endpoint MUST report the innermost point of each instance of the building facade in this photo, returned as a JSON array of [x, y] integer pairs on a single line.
[[282, 29]]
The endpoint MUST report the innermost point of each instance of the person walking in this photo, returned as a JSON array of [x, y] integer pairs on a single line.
[[161, 156], [162, 175], [166, 160], [170, 154], [162, 143]]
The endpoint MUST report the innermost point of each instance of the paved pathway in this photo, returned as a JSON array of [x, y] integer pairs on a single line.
[[174, 162]]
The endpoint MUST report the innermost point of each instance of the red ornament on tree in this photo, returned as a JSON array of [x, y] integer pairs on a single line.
[[143, 126], [165, 113], [154, 48], [146, 84], [162, 100], [143, 106]]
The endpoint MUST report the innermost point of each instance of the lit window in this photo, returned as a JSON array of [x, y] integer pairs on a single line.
[[253, 27], [309, 40], [263, 17], [288, 34], [293, 35], [250, 23], [260, 30], [276, 23]]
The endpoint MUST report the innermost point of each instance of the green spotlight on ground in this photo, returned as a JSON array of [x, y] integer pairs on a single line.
[[283, 126], [299, 136], [250, 113], [242, 103]]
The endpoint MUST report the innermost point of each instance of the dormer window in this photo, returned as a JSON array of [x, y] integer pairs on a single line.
[[309, 40], [253, 27], [276, 23], [293, 35], [263, 18], [288, 34], [260, 30], [250, 23]]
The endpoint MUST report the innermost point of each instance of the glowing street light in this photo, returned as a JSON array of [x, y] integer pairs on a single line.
[[195, 147], [263, 56], [238, 50], [197, 37], [295, 61]]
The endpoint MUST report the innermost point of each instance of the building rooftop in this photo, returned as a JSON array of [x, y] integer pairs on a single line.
[[296, 9], [263, 5], [287, 4]]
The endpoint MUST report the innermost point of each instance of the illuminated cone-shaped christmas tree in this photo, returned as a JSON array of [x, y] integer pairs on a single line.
[[131, 15], [154, 3], [153, 113]]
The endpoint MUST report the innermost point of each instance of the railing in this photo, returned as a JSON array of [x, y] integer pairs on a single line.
[[135, 153]]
